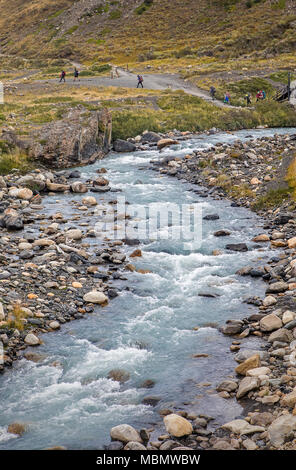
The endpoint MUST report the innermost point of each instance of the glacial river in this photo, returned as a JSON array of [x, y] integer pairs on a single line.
[[152, 329]]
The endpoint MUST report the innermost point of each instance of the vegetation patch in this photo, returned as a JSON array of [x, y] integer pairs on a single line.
[[12, 158], [273, 198], [143, 7], [189, 113], [115, 14]]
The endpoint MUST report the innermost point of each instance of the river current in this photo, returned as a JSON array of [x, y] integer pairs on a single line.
[[152, 329]]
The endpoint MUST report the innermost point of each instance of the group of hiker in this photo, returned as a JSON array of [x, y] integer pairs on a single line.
[[226, 95], [260, 96], [63, 75], [76, 77]]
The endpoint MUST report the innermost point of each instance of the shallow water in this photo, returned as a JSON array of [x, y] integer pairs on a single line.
[[149, 329]]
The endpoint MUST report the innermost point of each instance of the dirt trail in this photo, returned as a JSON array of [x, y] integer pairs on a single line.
[[126, 79]]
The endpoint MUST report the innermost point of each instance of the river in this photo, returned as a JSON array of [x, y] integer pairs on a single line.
[[151, 330]]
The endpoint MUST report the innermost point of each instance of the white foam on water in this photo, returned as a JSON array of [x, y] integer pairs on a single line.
[[130, 159], [6, 436], [152, 317]]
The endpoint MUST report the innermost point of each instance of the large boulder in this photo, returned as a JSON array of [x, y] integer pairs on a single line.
[[125, 433], [289, 399], [177, 426], [89, 201], [95, 297], [270, 323], [282, 335], [17, 428], [134, 446], [166, 142], [12, 220], [150, 137], [79, 187], [57, 187], [277, 287], [21, 193], [32, 340], [74, 234], [33, 182], [250, 363], [237, 247], [247, 384], [281, 428], [227, 386], [240, 426], [292, 242], [123, 146], [79, 138]]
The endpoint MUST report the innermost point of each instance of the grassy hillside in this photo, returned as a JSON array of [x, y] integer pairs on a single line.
[[163, 33]]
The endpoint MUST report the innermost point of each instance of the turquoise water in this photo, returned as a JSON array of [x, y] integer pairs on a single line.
[[148, 330]]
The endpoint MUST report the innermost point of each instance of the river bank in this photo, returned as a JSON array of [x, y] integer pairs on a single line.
[[56, 270], [173, 332]]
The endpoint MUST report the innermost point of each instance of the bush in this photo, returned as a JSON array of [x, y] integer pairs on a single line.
[[101, 68], [131, 123], [115, 14], [144, 7], [16, 318], [12, 158], [183, 52], [273, 198]]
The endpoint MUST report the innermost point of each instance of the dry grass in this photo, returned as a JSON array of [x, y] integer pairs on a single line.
[[16, 317], [207, 33]]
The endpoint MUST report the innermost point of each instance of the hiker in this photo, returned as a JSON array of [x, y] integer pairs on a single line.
[[259, 96], [248, 98], [263, 95], [226, 98], [76, 74], [140, 81], [117, 73], [212, 92], [62, 77]]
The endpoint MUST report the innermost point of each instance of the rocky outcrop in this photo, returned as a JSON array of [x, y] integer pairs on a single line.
[[81, 137]]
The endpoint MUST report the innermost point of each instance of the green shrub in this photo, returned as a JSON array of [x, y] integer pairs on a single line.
[[101, 68], [13, 158], [72, 30], [115, 14], [143, 7], [273, 198], [183, 52]]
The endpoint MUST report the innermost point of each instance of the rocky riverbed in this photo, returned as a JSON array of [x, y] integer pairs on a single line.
[[52, 273], [264, 380]]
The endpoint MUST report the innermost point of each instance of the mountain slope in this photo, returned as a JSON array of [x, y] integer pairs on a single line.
[[137, 30]]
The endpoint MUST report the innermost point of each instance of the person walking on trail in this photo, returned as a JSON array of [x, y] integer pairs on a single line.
[[226, 98], [263, 95], [63, 76], [76, 74], [212, 92], [259, 96], [140, 81], [248, 98]]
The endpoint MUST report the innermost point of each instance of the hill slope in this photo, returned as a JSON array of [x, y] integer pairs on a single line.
[[151, 30]]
